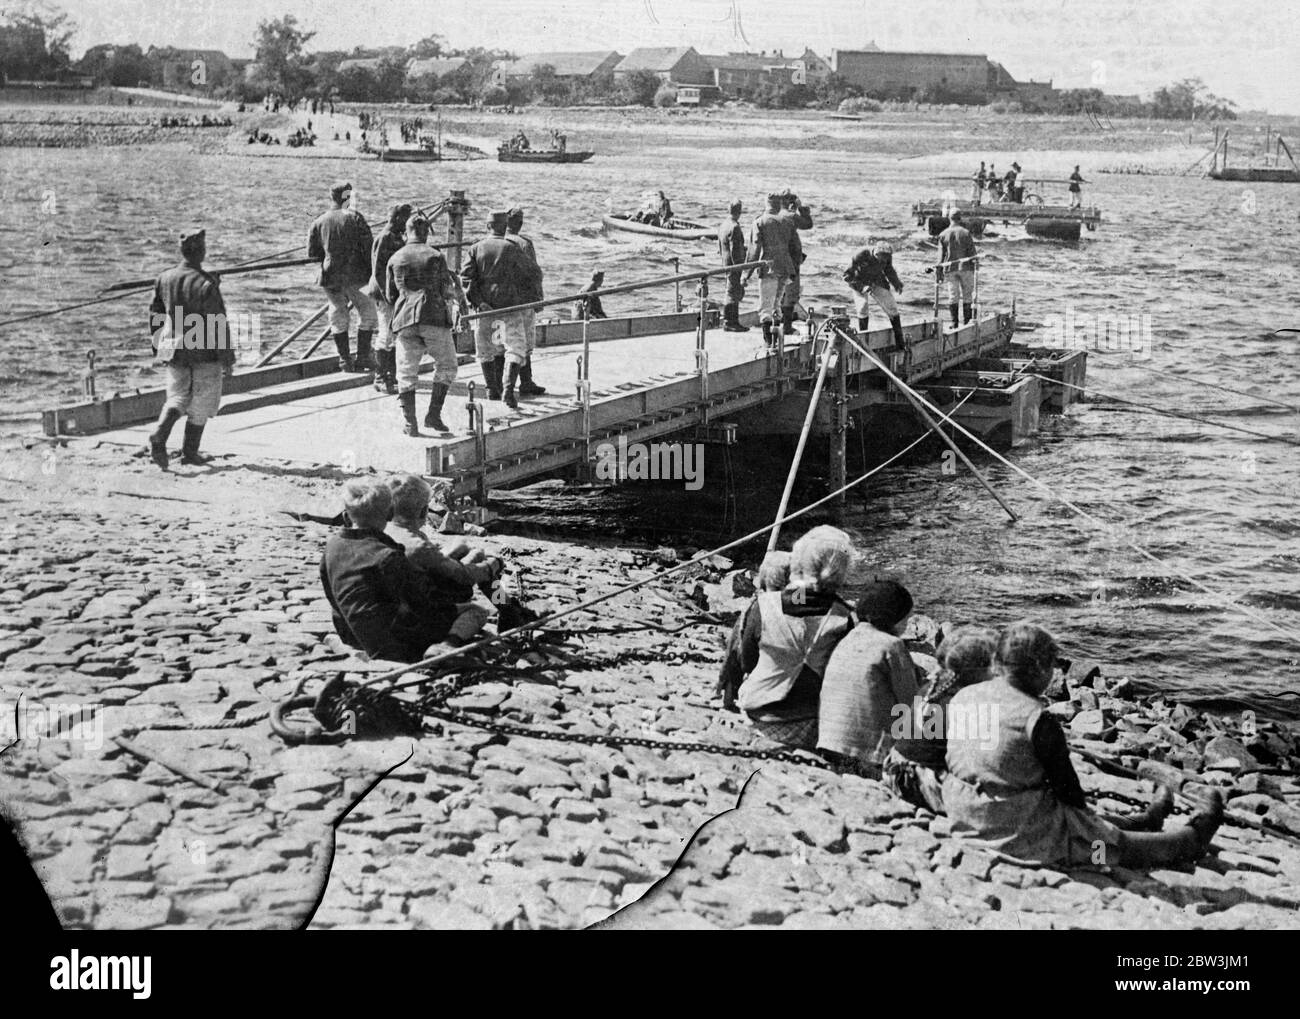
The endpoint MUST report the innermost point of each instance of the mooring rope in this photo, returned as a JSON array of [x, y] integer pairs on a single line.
[[1221, 598]]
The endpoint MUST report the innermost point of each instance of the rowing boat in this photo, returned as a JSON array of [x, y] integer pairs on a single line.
[[682, 229], [508, 155]]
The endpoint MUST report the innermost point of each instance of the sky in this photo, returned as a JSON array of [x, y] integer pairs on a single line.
[[1243, 49]]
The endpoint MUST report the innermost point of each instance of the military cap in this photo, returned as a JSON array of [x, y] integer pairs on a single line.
[[338, 190], [498, 217]]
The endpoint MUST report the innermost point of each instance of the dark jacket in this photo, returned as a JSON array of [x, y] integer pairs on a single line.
[[186, 291], [341, 241], [535, 279], [418, 285], [956, 243], [386, 245], [382, 604], [869, 270], [775, 237], [731, 243], [497, 274]]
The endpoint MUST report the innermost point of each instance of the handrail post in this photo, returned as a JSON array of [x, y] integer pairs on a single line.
[[677, 285], [701, 349], [839, 437], [457, 206]]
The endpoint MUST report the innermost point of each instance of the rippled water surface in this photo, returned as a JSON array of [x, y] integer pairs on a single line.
[[1216, 269]]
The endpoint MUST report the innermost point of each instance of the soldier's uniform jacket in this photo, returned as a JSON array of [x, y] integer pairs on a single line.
[[535, 284], [801, 217], [386, 245], [774, 237], [956, 243], [497, 274], [418, 286], [341, 241], [870, 270], [183, 291], [731, 243]]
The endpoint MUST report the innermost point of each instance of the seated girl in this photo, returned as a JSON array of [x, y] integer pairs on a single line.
[[915, 766], [788, 639], [773, 575], [869, 673], [1014, 789]]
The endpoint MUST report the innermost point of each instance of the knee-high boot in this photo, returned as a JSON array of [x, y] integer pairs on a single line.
[[787, 319], [863, 322], [965, 312], [768, 337], [508, 390], [364, 359], [527, 387], [407, 402], [953, 310], [896, 322], [345, 352], [159, 436], [433, 417], [190, 449]]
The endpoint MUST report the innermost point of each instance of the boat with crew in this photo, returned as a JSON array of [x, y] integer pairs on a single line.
[[681, 229], [506, 154], [1040, 218]]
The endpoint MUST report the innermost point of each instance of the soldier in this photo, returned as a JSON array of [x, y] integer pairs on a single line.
[[871, 274], [588, 303], [189, 317], [957, 257], [386, 245], [1076, 192], [498, 274], [341, 241], [731, 246], [772, 238], [515, 223], [422, 290], [980, 179], [801, 216]]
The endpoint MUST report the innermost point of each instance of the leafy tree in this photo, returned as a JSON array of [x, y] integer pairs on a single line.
[[640, 87], [427, 48], [116, 65], [666, 95], [34, 39], [281, 56], [547, 86]]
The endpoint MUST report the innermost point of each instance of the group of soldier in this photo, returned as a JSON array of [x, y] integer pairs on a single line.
[[774, 239]]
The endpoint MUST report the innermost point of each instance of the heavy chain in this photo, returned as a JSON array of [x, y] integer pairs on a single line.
[[619, 742]]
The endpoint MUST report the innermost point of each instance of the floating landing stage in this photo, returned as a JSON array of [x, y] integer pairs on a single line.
[[649, 377], [1057, 222]]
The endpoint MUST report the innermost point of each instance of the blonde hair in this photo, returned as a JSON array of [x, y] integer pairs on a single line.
[[367, 503], [774, 571], [820, 559], [965, 657], [410, 495]]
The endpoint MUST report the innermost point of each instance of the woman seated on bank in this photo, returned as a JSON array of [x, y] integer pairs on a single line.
[[916, 765], [1013, 788], [788, 640], [869, 673]]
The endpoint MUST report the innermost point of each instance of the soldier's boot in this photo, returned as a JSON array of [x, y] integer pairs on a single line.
[[407, 402], [787, 320], [731, 319], [159, 436], [527, 387], [364, 360], [433, 417], [896, 322], [508, 392], [190, 448], [768, 338], [345, 352], [863, 321], [966, 312], [952, 310]]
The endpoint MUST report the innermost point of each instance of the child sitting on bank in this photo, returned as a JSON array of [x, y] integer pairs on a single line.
[[773, 575], [916, 765], [869, 674], [1014, 789]]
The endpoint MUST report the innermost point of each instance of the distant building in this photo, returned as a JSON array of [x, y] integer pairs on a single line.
[[588, 65], [743, 74], [963, 77], [679, 65], [370, 64], [434, 69], [191, 69]]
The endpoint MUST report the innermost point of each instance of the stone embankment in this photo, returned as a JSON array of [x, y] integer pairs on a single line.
[[157, 608]]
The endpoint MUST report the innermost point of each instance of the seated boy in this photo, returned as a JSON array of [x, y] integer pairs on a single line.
[[382, 603]]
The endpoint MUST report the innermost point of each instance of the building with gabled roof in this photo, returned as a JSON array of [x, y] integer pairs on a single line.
[[588, 64], [435, 68], [681, 65]]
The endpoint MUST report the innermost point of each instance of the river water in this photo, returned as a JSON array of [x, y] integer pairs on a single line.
[[1207, 270]]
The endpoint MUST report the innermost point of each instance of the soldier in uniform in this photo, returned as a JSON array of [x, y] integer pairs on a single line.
[[422, 291], [189, 316], [498, 274], [341, 241], [957, 256], [731, 246], [772, 238], [801, 216], [872, 274], [515, 223], [386, 245]]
